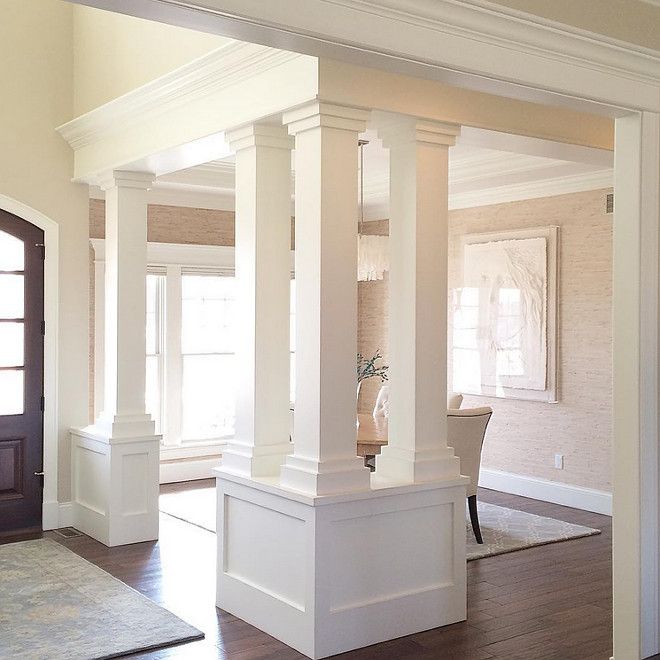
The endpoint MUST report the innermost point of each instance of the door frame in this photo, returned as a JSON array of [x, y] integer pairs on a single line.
[[51, 507]]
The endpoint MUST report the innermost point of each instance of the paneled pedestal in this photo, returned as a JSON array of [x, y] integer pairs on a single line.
[[115, 486], [329, 574]]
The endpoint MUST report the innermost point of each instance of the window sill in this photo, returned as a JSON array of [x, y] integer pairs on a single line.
[[192, 450]]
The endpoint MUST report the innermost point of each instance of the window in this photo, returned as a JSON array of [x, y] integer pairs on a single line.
[[190, 353], [191, 378], [207, 350], [155, 342]]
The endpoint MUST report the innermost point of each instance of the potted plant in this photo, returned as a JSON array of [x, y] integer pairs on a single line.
[[369, 368]]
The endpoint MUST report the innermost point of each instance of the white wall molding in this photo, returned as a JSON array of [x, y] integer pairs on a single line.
[[188, 470], [219, 257], [210, 73], [478, 38], [577, 497], [532, 190]]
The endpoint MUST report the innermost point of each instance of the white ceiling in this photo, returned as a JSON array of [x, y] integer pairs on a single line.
[[485, 168]]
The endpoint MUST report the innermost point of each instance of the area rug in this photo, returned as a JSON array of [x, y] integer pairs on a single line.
[[506, 530], [503, 530], [54, 605]]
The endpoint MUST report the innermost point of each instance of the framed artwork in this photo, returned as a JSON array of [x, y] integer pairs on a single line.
[[504, 316]]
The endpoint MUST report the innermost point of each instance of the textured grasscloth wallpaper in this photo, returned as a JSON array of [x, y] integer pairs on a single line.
[[523, 436]]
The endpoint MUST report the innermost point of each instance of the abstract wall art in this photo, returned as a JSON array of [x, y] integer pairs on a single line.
[[504, 315]]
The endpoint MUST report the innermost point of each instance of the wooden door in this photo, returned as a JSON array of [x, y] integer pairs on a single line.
[[21, 374]]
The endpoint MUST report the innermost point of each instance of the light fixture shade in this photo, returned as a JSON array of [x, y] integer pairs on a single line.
[[373, 257]]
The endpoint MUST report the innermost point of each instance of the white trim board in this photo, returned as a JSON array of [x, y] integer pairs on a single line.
[[576, 497], [188, 470]]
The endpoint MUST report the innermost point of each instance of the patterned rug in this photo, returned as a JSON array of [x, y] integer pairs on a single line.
[[54, 605], [506, 530], [503, 530]]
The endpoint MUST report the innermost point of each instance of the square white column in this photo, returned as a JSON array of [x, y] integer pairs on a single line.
[[324, 460], [263, 276], [115, 461], [417, 430]]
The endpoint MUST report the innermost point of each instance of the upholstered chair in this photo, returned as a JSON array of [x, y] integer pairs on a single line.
[[382, 407], [454, 400], [466, 430]]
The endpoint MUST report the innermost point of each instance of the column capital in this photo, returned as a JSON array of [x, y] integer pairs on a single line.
[[330, 115], [126, 179], [258, 135], [396, 130]]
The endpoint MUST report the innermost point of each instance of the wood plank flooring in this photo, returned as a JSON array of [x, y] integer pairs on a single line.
[[547, 603]]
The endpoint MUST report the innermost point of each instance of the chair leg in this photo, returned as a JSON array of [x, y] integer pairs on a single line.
[[474, 518]]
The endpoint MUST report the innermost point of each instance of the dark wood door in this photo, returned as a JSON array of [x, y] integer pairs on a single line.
[[21, 374]]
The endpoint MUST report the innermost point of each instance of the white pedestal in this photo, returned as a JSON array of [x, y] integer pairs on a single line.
[[115, 486], [330, 574]]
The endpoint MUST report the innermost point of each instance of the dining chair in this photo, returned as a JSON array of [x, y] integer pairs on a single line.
[[454, 400], [382, 407], [466, 430]]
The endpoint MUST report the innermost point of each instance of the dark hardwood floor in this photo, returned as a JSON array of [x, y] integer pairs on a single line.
[[548, 603]]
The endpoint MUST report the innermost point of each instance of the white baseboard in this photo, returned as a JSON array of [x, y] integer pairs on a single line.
[[56, 515], [577, 497], [188, 470]]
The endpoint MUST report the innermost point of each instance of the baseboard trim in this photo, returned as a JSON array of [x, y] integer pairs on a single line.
[[56, 515], [577, 497], [188, 469]]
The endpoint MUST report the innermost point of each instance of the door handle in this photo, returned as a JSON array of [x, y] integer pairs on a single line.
[[39, 474]]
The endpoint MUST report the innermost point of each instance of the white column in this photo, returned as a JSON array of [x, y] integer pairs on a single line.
[[635, 526], [326, 185], [417, 443], [263, 275], [115, 461], [125, 305]]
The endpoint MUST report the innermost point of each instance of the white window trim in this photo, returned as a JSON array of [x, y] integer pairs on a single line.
[[170, 259]]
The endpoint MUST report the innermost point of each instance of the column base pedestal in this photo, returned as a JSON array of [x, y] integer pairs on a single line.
[[330, 574], [115, 486], [255, 461], [410, 466]]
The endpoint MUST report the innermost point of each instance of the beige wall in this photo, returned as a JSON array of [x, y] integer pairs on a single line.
[[36, 166], [115, 53], [627, 20], [524, 436]]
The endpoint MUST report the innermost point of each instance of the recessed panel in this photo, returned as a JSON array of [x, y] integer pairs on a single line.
[[11, 468], [265, 549], [391, 554]]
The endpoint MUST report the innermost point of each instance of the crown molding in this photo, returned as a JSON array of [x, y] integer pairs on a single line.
[[206, 75], [532, 190], [529, 34]]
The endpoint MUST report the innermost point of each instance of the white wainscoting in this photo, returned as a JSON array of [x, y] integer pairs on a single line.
[[330, 574], [577, 497]]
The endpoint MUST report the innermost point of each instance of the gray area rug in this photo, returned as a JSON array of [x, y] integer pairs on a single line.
[[506, 530], [54, 605], [503, 530]]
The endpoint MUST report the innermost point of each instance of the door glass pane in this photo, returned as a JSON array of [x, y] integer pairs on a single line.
[[11, 344], [11, 392], [208, 396], [207, 314], [12, 252], [11, 300]]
